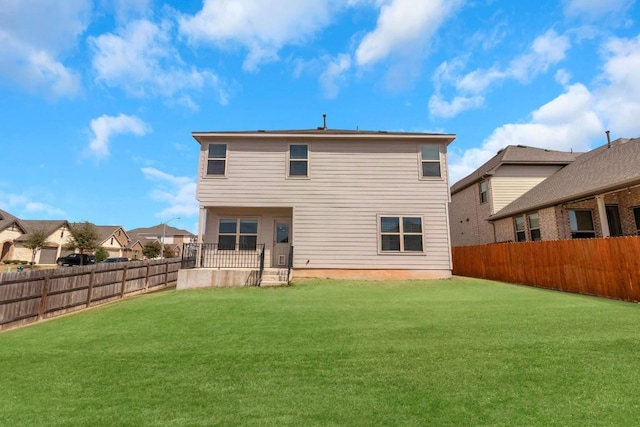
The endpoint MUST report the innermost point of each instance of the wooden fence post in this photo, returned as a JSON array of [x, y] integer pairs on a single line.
[[166, 274], [43, 299], [146, 278], [124, 281], [90, 290]]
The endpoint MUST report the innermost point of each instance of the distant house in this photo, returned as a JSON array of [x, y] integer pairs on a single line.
[[511, 173], [337, 203], [114, 239], [57, 232], [14, 232], [173, 237], [598, 195], [10, 229]]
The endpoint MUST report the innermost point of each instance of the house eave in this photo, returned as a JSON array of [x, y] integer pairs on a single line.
[[327, 134], [585, 195]]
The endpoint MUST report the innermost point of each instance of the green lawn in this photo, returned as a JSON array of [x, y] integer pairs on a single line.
[[458, 352]]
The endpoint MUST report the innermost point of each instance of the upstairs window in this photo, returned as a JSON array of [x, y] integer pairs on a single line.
[[430, 161], [299, 160], [534, 226], [483, 192], [217, 160], [521, 234], [401, 234], [581, 222]]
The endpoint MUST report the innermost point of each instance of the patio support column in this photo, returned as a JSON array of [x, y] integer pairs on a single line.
[[602, 212], [202, 220]]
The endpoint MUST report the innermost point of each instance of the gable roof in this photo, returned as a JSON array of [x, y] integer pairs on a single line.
[[6, 220], [607, 168], [49, 226], [515, 155]]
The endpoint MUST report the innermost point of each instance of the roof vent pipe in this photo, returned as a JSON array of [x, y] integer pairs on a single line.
[[324, 121], [608, 139]]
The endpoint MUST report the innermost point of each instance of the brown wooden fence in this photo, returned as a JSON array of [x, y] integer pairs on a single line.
[[29, 296], [603, 267]]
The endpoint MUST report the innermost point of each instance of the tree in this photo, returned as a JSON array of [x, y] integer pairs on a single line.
[[152, 249], [169, 252], [35, 241], [101, 254], [84, 237]]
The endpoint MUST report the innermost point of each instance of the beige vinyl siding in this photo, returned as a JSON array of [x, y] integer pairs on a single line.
[[335, 209], [510, 182]]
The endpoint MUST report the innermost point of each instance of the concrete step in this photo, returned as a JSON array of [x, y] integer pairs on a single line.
[[274, 277]]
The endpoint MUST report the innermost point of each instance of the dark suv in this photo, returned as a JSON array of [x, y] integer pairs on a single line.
[[76, 259]]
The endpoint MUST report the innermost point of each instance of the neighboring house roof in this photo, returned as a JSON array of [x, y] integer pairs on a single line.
[[157, 230], [515, 155], [48, 226], [607, 168], [325, 132], [6, 220], [108, 231]]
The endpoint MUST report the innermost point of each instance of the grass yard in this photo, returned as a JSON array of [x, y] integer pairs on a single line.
[[459, 352]]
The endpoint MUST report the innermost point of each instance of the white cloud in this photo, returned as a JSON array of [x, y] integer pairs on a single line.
[[33, 36], [404, 27], [593, 9], [104, 127], [178, 192], [141, 60], [456, 106], [546, 50], [20, 205], [568, 122], [333, 74], [618, 97], [576, 119], [262, 27]]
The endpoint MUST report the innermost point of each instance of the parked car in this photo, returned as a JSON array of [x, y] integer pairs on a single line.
[[76, 259], [116, 259]]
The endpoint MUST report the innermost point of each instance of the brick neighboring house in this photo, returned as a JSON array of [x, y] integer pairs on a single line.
[[598, 195], [512, 172]]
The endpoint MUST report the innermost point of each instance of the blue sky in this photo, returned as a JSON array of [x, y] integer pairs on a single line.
[[99, 98]]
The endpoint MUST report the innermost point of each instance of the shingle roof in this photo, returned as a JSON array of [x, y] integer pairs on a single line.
[[156, 230], [49, 226], [604, 169], [6, 219], [515, 154]]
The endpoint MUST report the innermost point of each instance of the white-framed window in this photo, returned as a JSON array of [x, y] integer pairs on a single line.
[[217, 160], [484, 196], [237, 234], [581, 222], [430, 165], [401, 234], [298, 160], [534, 226], [519, 225]]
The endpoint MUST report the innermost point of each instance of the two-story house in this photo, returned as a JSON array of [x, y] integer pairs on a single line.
[[597, 195], [512, 172], [327, 203]]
